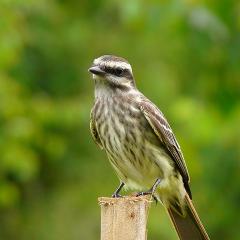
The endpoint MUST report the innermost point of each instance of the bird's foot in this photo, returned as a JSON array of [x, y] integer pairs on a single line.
[[116, 193], [151, 191], [148, 193], [144, 193]]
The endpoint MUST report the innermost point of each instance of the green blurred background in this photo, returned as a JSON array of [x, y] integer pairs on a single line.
[[186, 58]]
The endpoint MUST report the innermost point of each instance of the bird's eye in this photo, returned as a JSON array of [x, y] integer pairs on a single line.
[[118, 71]]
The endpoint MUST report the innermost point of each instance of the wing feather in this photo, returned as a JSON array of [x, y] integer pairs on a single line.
[[164, 132], [93, 130]]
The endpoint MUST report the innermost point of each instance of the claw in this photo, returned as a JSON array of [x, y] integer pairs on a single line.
[[147, 193], [151, 191], [116, 193], [143, 193]]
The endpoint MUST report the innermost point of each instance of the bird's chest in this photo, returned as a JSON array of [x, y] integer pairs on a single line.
[[126, 136], [130, 143], [119, 125]]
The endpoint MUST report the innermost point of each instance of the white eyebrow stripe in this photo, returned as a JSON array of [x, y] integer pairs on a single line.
[[122, 65], [96, 61], [112, 64]]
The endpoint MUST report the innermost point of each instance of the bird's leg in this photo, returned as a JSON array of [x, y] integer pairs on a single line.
[[151, 190], [116, 193]]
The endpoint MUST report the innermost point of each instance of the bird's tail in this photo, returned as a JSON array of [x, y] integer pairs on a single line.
[[188, 227]]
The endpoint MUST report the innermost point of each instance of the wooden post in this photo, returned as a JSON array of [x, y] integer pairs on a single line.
[[124, 218]]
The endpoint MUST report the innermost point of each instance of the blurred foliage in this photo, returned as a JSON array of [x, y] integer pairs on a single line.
[[186, 58]]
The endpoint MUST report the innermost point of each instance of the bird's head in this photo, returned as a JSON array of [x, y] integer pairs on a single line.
[[112, 71]]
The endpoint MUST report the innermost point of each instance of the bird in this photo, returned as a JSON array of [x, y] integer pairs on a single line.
[[140, 144]]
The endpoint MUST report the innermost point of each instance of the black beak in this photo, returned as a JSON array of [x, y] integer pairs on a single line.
[[96, 70]]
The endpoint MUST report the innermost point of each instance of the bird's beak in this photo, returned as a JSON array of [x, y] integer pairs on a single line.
[[96, 70]]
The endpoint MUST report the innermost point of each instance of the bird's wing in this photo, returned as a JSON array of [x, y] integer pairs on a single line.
[[94, 132], [165, 134]]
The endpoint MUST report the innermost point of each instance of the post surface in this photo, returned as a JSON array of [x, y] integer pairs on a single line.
[[124, 218]]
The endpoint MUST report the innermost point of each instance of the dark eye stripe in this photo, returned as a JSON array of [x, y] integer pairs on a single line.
[[120, 72], [115, 71], [108, 70]]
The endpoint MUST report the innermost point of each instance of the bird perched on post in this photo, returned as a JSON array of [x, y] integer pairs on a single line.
[[140, 144]]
